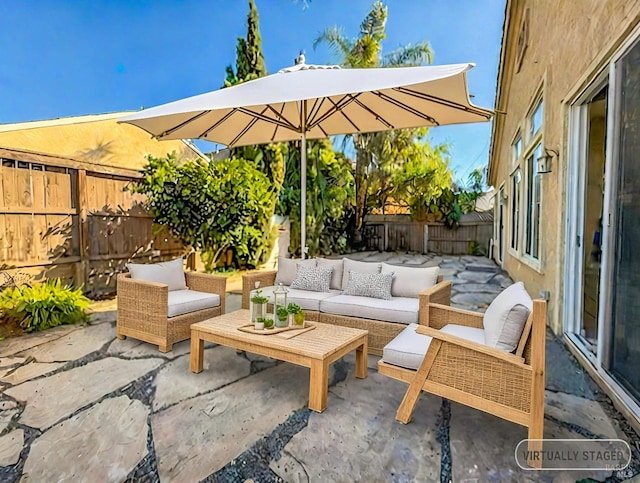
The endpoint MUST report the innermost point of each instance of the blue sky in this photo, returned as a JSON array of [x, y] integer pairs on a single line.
[[66, 58]]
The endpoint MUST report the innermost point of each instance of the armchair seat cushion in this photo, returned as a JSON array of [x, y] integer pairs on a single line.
[[186, 301], [398, 309], [306, 299], [409, 348]]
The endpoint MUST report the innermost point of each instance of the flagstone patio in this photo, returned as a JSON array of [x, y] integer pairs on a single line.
[[78, 404]]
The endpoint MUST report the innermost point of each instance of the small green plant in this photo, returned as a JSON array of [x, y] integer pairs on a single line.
[[282, 313], [43, 305], [259, 299], [476, 249], [293, 309], [267, 321]]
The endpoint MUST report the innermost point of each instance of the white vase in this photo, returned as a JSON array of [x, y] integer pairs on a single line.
[[258, 325]]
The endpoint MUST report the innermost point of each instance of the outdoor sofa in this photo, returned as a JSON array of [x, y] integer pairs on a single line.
[[413, 289]]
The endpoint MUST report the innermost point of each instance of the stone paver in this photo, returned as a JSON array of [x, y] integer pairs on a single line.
[[482, 288], [14, 345], [217, 427], [135, 349], [10, 361], [581, 412], [8, 409], [53, 398], [476, 299], [10, 447], [358, 439], [175, 382], [73, 346], [29, 371], [103, 443], [477, 277]]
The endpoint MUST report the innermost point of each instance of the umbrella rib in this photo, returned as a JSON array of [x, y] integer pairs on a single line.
[[337, 107], [315, 108], [375, 114], [291, 125], [217, 123], [260, 116], [275, 131], [344, 115], [247, 127], [441, 101], [404, 106], [182, 124]]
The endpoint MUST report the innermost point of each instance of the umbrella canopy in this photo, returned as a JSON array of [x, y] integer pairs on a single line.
[[312, 102]]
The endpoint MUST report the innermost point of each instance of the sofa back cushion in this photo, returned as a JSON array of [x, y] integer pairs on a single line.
[[410, 281], [505, 318], [315, 279], [362, 267], [168, 273], [336, 275], [375, 285], [288, 268]]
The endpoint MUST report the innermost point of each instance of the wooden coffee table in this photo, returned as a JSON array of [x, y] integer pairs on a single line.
[[315, 349]]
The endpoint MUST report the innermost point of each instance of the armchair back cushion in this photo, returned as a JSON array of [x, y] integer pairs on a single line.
[[362, 267], [288, 268], [505, 318], [168, 273], [336, 275], [410, 281]]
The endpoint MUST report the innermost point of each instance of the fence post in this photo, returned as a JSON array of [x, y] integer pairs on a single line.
[[84, 229]]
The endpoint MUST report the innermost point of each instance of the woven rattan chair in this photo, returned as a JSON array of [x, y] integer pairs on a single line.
[[143, 309], [507, 385]]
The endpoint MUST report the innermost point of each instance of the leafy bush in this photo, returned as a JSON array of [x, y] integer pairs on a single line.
[[212, 206], [43, 305]]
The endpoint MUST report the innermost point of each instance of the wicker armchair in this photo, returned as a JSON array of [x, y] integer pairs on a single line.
[[507, 385], [143, 309]]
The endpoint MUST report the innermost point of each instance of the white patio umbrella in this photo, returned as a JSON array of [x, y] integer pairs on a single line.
[[311, 102]]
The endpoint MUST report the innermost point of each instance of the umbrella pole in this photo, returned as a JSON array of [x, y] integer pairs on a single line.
[[303, 195]]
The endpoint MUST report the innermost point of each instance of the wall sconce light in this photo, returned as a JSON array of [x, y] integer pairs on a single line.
[[544, 161], [503, 196]]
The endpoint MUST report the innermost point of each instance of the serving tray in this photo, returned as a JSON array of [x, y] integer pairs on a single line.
[[294, 331]]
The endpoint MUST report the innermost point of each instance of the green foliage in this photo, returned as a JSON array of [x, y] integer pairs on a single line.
[[476, 249], [293, 309], [257, 298], [212, 206], [267, 321], [43, 305], [249, 59], [282, 313], [330, 198]]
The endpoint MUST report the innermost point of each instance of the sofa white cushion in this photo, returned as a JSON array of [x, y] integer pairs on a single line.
[[168, 273], [288, 268], [315, 279], [187, 301], [399, 309], [336, 276], [376, 285], [306, 299], [408, 348], [362, 267], [410, 281], [505, 317]]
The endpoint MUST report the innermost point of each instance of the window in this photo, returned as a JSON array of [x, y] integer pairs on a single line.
[[535, 121], [516, 179], [517, 149], [532, 226]]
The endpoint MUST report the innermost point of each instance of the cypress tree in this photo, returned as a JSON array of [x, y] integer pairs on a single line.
[[249, 59]]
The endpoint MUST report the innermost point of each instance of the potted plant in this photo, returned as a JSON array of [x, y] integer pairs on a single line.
[[267, 322], [259, 323], [258, 305], [281, 317], [296, 315]]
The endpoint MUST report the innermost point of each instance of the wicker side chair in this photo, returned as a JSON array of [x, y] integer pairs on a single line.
[[507, 385], [143, 309]]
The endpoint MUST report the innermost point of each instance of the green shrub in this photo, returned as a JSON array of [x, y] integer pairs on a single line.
[[43, 305]]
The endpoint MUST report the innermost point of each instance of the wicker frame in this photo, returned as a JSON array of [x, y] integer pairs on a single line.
[[507, 385], [143, 306], [380, 332]]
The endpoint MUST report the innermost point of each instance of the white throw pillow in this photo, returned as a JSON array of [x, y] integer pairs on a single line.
[[168, 273], [410, 281], [336, 275], [505, 317], [375, 285], [361, 267], [288, 268], [315, 279]]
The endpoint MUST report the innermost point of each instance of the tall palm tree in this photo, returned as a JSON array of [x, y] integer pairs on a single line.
[[365, 51]]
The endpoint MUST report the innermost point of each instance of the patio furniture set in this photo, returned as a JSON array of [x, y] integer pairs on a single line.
[[493, 362]]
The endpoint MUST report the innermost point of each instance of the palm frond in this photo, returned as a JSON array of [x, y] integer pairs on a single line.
[[409, 55], [335, 39], [374, 24]]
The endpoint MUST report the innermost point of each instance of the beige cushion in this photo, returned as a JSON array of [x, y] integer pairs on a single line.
[[505, 317], [408, 348], [336, 276], [288, 268], [398, 309], [187, 301], [362, 267], [410, 281], [306, 299], [168, 273]]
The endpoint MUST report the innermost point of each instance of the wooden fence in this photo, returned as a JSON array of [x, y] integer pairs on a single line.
[[400, 233], [67, 219]]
